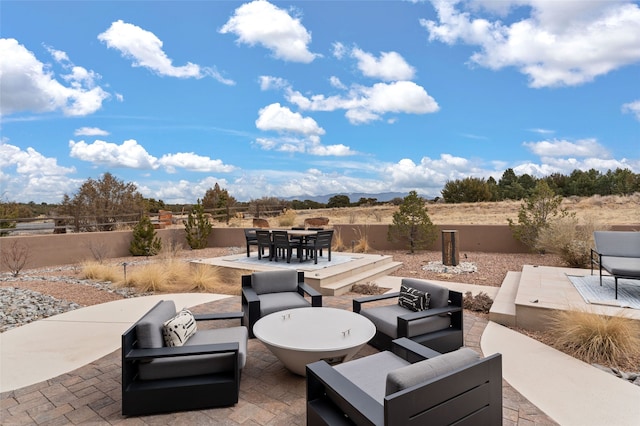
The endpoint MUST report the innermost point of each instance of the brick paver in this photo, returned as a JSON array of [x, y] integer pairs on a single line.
[[269, 394]]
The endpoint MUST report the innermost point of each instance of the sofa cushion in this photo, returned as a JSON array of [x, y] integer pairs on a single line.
[[413, 299], [385, 318], [275, 302], [438, 295], [196, 365], [274, 281], [623, 266], [424, 371], [149, 327], [369, 373], [177, 330]]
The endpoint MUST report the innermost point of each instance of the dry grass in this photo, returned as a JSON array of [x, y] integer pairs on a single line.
[[287, 218], [215, 279], [594, 338], [95, 270], [362, 244]]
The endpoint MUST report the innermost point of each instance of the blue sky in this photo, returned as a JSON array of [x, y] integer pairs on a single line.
[[305, 98]]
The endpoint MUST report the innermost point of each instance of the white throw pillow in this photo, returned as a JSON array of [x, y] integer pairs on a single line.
[[177, 330]]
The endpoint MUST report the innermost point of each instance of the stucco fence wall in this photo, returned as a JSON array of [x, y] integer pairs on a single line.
[[64, 249]]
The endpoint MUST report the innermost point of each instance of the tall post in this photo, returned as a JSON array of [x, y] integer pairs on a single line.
[[450, 256]]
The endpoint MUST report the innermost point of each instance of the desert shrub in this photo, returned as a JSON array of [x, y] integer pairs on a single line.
[[99, 250], [594, 338], [535, 213], [367, 288], [215, 279], [96, 270], [15, 256], [362, 244], [570, 239], [481, 302], [288, 218], [337, 244], [145, 239]]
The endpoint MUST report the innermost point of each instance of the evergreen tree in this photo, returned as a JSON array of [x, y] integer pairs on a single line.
[[145, 240], [197, 227], [412, 222]]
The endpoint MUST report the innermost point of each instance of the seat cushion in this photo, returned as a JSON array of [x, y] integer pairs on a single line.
[[624, 266], [150, 327], [385, 318], [438, 295], [424, 371], [370, 373], [275, 302], [274, 281], [195, 365]]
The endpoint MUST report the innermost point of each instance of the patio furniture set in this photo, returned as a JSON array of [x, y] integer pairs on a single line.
[[309, 243], [618, 253], [423, 374]]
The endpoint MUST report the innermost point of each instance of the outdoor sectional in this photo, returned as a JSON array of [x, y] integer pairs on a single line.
[[618, 253]]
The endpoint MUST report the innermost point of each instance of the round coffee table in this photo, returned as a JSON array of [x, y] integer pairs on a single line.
[[305, 335]]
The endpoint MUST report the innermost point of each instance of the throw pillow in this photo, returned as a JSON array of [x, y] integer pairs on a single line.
[[413, 299], [177, 330]]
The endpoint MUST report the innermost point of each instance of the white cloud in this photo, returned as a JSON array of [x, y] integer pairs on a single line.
[[339, 50], [561, 43], [391, 66], [260, 22], [90, 131], [30, 85], [268, 82], [335, 82], [281, 119], [134, 156], [130, 154], [27, 175], [193, 162], [365, 104], [632, 108], [144, 48], [564, 148]]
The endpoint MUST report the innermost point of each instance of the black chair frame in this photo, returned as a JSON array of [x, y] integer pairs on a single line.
[[143, 397], [251, 301], [442, 341]]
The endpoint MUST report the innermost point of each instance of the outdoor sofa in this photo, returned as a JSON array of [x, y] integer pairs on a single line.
[[202, 373]]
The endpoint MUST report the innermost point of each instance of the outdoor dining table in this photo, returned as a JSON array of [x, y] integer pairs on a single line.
[[302, 233]]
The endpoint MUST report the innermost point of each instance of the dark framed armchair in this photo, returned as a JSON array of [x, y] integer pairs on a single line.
[[440, 327], [409, 385], [266, 292], [203, 373]]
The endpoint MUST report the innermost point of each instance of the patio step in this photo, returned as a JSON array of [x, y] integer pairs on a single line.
[[341, 283], [503, 310]]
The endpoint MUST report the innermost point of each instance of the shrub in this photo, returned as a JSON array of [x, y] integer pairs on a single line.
[[197, 227], [215, 279], [145, 240], [594, 338], [15, 257], [96, 270], [368, 288], [337, 244], [362, 245], [481, 302], [287, 218], [570, 239], [412, 222]]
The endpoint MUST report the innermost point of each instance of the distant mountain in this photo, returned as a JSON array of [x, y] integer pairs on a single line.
[[353, 197]]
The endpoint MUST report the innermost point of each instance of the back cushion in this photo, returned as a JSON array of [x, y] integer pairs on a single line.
[[429, 369], [274, 281], [149, 328], [617, 243], [438, 295]]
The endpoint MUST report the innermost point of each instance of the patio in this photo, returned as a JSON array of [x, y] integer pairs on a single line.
[[569, 391]]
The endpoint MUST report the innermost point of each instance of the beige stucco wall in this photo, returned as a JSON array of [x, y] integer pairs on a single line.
[[63, 249]]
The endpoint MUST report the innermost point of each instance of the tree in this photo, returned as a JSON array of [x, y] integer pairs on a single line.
[[412, 222], [509, 186], [217, 198], [197, 227], [339, 201], [145, 241], [467, 190], [101, 204], [12, 210], [535, 213]]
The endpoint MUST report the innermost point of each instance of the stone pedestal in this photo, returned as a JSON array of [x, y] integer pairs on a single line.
[[450, 255]]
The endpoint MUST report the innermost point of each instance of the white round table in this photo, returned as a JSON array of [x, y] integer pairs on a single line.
[[305, 335]]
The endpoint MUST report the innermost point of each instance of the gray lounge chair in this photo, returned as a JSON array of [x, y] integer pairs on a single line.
[[618, 253], [410, 385]]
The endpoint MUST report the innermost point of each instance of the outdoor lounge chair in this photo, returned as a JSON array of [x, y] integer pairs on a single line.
[[266, 292], [618, 253], [440, 327], [202, 373], [409, 385]]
